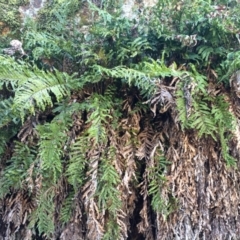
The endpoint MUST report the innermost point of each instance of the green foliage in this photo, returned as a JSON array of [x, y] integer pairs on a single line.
[[229, 66], [107, 192], [161, 204], [37, 90], [108, 195], [98, 117], [33, 88], [56, 16], [44, 214], [202, 120], [225, 124], [9, 123], [66, 210], [6, 114], [76, 168], [51, 144], [209, 114], [143, 76], [119, 65], [112, 230], [15, 173], [9, 14], [13, 73], [43, 44], [101, 108]]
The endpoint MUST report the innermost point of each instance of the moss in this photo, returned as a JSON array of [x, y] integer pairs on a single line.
[[17, 2], [10, 18]]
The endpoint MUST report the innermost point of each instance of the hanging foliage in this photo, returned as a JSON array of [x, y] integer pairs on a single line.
[[117, 128]]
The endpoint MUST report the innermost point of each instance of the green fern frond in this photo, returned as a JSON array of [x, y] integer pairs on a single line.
[[66, 209], [107, 193], [13, 73], [192, 97], [77, 163], [222, 116], [7, 115], [229, 66], [104, 15], [202, 120], [112, 230], [205, 52], [200, 81], [225, 122], [144, 75], [43, 44], [101, 114], [43, 216], [51, 144], [225, 149], [157, 180], [14, 174], [38, 89]]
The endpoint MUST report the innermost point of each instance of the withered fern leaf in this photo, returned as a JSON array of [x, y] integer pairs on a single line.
[[121, 124]]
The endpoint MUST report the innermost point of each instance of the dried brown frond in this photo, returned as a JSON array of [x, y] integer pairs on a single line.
[[145, 225], [28, 129], [145, 139], [95, 221], [17, 207], [72, 232], [161, 101]]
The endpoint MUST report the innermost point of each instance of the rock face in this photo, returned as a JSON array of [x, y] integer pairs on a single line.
[[31, 9], [9, 17], [13, 15], [149, 3], [16, 47], [130, 5]]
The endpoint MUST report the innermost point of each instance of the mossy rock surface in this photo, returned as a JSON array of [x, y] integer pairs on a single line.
[[10, 17]]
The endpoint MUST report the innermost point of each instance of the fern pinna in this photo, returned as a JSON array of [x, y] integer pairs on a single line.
[[117, 128]]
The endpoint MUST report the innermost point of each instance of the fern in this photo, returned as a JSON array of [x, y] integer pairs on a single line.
[[9, 122], [205, 52], [181, 106], [225, 123], [51, 144], [34, 88], [144, 75], [77, 163], [13, 73], [229, 66], [101, 107], [37, 90], [15, 173], [192, 103], [157, 180], [93, 135], [112, 230], [43, 44], [225, 149], [7, 115], [202, 120], [107, 193], [43, 216], [223, 117], [66, 209]]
